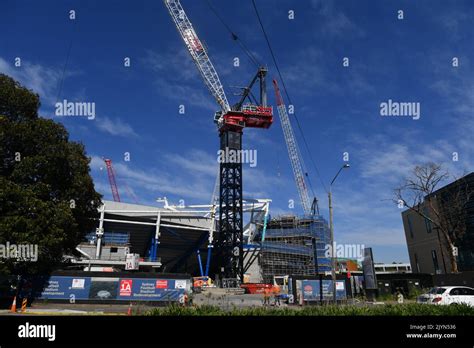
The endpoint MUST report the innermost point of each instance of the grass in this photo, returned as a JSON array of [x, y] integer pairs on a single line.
[[413, 309]]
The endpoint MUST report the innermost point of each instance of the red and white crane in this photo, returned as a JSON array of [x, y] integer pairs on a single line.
[[230, 121]]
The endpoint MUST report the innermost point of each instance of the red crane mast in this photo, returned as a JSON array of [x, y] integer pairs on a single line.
[[113, 183]]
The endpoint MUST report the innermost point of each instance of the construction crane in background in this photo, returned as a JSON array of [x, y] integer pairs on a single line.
[[230, 123], [113, 183], [309, 207]]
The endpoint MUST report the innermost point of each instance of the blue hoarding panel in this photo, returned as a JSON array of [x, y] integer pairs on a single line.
[[311, 290], [106, 288], [65, 288], [133, 289]]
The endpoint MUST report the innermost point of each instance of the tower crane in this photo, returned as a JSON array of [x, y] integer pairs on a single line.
[[309, 207], [230, 120], [113, 183]]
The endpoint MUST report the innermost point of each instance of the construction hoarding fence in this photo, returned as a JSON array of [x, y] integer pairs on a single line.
[[82, 287]]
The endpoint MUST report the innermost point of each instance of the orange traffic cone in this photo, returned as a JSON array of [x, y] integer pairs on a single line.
[[24, 304], [129, 312], [13, 309]]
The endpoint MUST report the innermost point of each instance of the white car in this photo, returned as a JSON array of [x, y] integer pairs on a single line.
[[447, 295]]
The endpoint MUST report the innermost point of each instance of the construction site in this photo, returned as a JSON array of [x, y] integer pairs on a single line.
[[177, 169], [234, 242]]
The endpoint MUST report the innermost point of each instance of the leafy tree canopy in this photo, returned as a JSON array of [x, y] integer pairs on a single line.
[[47, 195]]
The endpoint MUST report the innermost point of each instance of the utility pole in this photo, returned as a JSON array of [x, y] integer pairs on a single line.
[[331, 229]]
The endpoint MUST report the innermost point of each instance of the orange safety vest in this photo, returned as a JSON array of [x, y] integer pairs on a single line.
[[266, 292]]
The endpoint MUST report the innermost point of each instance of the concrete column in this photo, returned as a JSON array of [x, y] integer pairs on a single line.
[[100, 232]]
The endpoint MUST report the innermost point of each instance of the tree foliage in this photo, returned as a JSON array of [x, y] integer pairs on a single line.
[[47, 195]]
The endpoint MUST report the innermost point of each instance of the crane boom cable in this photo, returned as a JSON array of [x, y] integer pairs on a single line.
[[287, 95], [68, 54], [234, 36]]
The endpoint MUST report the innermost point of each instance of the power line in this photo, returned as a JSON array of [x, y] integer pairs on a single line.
[[288, 98]]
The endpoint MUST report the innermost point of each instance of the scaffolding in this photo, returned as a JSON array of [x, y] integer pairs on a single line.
[[294, 246]]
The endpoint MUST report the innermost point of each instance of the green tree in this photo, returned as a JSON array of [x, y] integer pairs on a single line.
[[47, 195]]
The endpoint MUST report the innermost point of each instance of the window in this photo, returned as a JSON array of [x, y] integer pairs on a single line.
[[457, 291], [416, 263], [427, 222], [435, 260], [469, 292], [113, 250], [462, 292], [437, 291], [410, 226]]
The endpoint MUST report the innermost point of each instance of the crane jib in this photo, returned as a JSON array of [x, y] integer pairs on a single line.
[[293, 152], [198, 53]]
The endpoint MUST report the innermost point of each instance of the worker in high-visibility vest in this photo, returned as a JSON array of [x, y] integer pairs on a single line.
[[276, 294], [266, 296], [185, 300]]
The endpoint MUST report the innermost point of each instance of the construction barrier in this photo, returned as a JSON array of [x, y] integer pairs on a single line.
[[13, 308], [24, 303]]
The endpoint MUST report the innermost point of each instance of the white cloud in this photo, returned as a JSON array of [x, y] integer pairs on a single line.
[[333, 22], [115, 127], [195, 163], [176, 78], [190, 177], [454, 21], [42, 80], [154, 182]]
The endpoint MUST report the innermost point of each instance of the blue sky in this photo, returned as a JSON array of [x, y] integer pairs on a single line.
[[174, 155]]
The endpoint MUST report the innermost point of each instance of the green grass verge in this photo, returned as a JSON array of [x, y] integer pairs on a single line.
[[331, 310]]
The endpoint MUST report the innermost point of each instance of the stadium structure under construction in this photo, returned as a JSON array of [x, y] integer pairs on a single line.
[[171, 239], [179, 239]]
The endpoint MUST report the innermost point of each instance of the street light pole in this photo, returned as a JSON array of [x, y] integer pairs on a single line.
[[331, 230]]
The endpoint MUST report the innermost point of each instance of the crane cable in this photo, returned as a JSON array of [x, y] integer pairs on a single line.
[[68, 54], [289, 99], [234, 36]]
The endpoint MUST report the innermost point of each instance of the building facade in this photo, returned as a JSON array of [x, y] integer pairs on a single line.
[[427, 247], [294, 246]]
